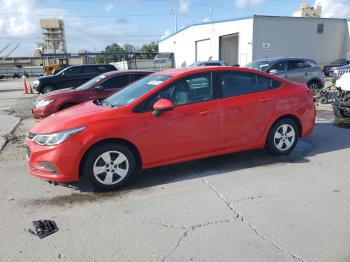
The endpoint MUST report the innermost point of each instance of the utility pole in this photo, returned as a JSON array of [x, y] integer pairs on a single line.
[[175, 16]]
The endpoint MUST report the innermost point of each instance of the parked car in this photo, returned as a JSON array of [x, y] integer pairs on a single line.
[[169, 117], [339, 71], [328, 69], [341, 104], [293, 69], [97, 88], [208, 63], [72, 76]]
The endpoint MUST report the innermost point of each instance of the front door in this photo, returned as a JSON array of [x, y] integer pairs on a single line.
[[189, 130]]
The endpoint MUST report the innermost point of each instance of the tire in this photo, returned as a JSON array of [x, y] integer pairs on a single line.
[[314, 85], [323, 100], [281, 132], [48, 88], [338, 112], [102, 170]]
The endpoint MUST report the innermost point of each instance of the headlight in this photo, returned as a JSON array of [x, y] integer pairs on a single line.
[[42, 103], [56, 138], [36, 82]]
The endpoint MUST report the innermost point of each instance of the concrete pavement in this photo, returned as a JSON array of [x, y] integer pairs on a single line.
[[248, 206]]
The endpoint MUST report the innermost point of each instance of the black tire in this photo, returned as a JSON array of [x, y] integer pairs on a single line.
[[338, 112], [272, 142], [323, 100], [94, 159], [48, 88], [314, 85]]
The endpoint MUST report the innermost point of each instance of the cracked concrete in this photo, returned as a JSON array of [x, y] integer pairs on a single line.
[[294, 208]]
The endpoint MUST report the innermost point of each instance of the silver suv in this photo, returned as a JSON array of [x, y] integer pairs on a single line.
[[293, 69]]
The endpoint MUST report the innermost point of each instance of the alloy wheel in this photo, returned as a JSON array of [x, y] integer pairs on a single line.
[[111, 167], [284, 137]]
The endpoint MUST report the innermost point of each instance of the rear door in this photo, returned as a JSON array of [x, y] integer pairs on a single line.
[[246, 107], [296, 71]]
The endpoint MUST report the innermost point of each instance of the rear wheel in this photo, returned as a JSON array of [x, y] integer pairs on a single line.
[[109, 166], [283, 137], [338, 112], [314, 85], [48, 88]]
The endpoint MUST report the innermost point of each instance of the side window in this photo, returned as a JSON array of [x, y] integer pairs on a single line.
[[116, 82], [89, 70], [237, 83], [265, 83], [103, 69], [73, 70], [279, 66], [185, 91], [296, 64], [134, 77]]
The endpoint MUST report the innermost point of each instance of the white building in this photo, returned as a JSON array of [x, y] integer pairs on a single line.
[[239, 41], [306, 10]]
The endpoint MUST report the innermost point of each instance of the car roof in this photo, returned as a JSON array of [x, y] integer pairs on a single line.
[[189, 70], [283, 58], [122, 72]]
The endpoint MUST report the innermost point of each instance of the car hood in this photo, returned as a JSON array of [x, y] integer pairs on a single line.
[[344, 82], [47, 78], [76, 116], [50, 95]]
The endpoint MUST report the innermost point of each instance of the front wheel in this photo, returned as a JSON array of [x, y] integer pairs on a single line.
[[47, 89], [283, 137], [109, 166], [314, 85]]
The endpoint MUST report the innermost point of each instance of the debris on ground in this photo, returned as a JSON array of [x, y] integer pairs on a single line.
[[43, 228]]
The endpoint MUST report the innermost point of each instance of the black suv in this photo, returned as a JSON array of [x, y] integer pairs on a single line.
[[72, 76]]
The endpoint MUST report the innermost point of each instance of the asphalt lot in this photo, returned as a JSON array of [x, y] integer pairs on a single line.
[[248, 206]]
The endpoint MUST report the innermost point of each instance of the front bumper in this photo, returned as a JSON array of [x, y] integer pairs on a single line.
[[59, 163], [42, 112]]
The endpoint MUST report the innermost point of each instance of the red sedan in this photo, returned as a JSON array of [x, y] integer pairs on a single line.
[[169, 117], [96, 88]]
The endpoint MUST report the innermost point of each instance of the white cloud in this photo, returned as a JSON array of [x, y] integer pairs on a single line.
[[108, 7], [338, 9], [184, 6], [166, 34], [81, 33], [245, 3]]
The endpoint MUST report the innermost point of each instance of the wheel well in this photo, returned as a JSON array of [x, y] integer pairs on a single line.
[[294, 119], [124, 142], [314, 80]]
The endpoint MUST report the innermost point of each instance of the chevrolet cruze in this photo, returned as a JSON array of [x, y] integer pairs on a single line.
[[170, 117]]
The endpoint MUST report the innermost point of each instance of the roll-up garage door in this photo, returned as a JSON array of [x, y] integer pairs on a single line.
[[229, 49], [202, 50]]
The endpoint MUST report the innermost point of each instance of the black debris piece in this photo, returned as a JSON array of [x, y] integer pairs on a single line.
[[43, 228]]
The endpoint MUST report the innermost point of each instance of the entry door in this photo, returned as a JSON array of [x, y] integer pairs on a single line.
[[229, 49], [189, 130], [203, 50]]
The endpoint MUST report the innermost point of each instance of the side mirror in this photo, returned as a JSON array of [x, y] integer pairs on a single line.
[[273, 71], [162, 105], [98, 88]]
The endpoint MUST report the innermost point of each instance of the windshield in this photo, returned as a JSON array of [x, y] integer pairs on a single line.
[[91, 82], [258, 65], [134, 91]]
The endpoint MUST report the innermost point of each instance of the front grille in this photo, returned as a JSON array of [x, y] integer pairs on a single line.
[[341, 72], [31, 136]]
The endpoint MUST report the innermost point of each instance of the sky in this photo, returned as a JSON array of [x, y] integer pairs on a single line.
[[93, 24]]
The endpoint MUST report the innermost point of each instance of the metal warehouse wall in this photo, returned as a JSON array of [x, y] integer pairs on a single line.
[[296, 36], [183, 43]]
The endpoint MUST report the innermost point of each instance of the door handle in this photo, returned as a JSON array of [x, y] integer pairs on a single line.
[[204, 113]]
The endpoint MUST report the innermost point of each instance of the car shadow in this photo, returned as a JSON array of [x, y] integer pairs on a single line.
[[326, 137]]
